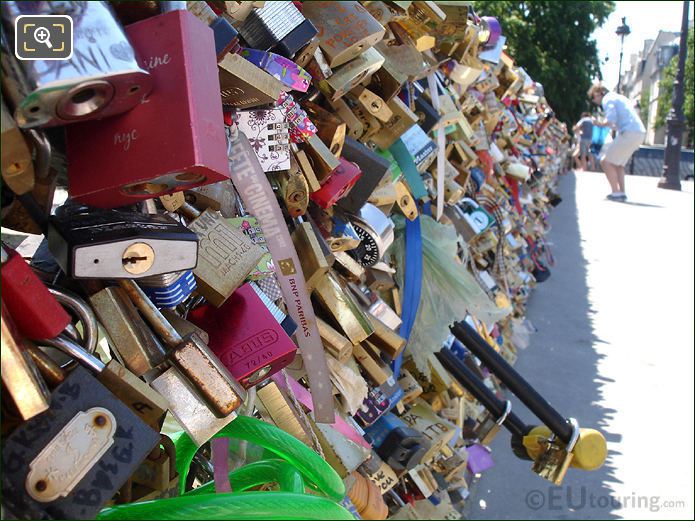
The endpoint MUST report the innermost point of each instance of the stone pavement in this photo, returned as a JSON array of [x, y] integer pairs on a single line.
[[614, 349]]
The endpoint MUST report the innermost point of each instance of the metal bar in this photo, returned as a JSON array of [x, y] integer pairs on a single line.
[[480, 392], [160, 324], [513, 380]]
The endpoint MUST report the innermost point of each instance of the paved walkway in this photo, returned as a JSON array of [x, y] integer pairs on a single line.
[[614, 349]]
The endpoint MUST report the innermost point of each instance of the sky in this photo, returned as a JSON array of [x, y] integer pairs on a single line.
[[644, 19]]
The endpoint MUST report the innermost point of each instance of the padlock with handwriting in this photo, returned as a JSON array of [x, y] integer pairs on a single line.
[[174, 139], [101, 78]]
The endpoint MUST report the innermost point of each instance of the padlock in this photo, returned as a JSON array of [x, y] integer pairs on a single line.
[[488, 428], [321, 160], [133, 392], [338, 184], [267, 131], [400, 446], [248, 226], [69, 461], [20, 375], [287, 71], [278, 27], [195, 152], [217, 196], [306, 53], [276, 409], [371, 125], [246, 337], [212, 381], [556, 457], [129, 337], [168, 290], [16, 165], [402, 119], [386, 340], [336, 344], [91, 243], [226, 256], [331, 129], [347, 76], [295, 192], [100, 79], [341, 306], [348, 267], [311, 256], [404, 201], [374, 170], [355, 127], [226, 37], [377, 371], [346, 29], [187, 407], [376, 233], [243, 85], [22, 290], [158, 471]]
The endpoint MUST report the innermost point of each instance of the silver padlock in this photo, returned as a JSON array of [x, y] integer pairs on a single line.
[[100, 79]]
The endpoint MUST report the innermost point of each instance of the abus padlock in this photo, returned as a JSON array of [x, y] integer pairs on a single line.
[[174, 140], [346, 29], [69, 461], [107, 244], [101, 78], [246, 337]]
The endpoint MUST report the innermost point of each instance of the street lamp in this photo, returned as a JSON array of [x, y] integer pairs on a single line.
[[623, 30], [670, 177]]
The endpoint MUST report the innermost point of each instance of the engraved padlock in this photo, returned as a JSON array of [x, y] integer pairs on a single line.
[[101, 78], [182, 112], [55, 462]]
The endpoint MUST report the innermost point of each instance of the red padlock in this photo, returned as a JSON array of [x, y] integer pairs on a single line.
[[338, 184], [245, 336], [36, 313], [174, 139]]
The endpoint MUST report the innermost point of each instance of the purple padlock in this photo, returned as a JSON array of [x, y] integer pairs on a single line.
[[479, 458]]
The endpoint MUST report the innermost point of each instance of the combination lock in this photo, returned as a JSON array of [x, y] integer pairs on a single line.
[[375, 230]]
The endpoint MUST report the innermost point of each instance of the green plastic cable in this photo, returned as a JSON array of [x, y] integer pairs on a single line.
[[314, 468], [232, 505], [259, 473]]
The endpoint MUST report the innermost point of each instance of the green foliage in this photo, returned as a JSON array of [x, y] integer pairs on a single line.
[[644, 105], [666, 90], [552, 42]]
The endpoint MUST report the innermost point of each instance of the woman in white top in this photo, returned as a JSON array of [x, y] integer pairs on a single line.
[[623, 119]]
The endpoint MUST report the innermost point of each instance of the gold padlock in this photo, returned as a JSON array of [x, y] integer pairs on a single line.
[[311, 257], [243, 85], [332, 129]]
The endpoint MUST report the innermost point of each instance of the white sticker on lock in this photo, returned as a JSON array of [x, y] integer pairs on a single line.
[[71, 454]]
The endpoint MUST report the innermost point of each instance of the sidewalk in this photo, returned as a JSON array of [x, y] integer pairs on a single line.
[[614, 349]]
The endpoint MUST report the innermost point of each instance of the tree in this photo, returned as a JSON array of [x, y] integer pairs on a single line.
[[666, 91], [552, 42]]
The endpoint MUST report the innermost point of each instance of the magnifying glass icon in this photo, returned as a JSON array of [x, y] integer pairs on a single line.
[[43, 35]]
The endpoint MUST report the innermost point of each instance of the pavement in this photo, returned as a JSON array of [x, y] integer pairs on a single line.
[[614, 349]]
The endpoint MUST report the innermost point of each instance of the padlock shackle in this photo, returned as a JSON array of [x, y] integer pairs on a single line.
[[474, 385], [516, 383], [90, 330], [76, 351]]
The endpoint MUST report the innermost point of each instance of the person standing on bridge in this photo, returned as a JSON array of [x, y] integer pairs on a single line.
[[630, 133]]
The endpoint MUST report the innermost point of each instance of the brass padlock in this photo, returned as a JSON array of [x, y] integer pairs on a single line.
[[211, 380], [17, 165], [336, 344], [346, 29], [489, 426], [20, 375], [129, 337], [157, 473], [311, 257], [243, 85], [331, 128], [556, 457], [401, 120]]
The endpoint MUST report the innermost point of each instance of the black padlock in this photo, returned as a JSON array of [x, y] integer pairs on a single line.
[[374, 169], [120, 245], [67, 462]]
